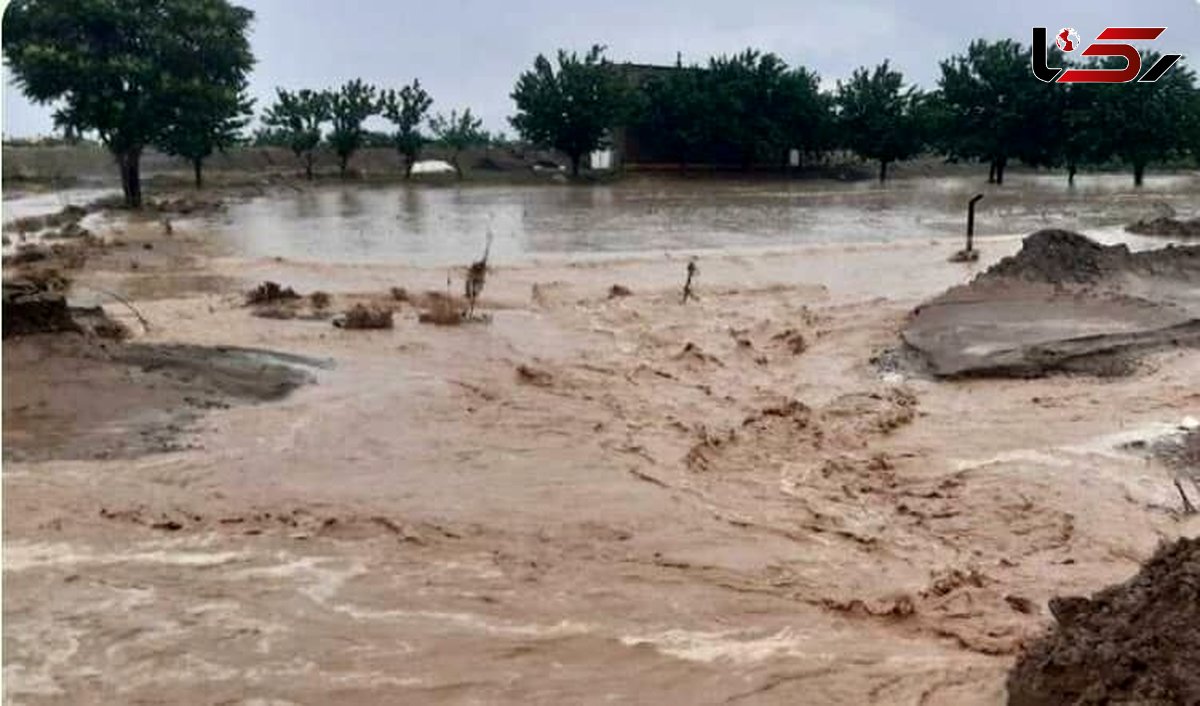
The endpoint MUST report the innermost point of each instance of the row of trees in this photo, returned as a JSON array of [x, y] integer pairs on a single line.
[[752, 108], [172, 74], [297, 120]]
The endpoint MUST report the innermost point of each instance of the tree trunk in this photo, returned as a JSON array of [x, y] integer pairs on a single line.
[[992, 172], [882, 170], [575, 160], [1071, 169], [196, 169], [1139, 172], [409, 160], [308, 165], [1000, 164], [457, 169], [131, 183], [343, 161]]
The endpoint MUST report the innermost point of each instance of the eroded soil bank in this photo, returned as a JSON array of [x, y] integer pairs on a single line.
[[1138, 642], [1062, 303], [589, 497]]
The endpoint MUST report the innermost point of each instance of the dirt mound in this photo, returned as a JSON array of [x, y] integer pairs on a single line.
[[1063, 303], [30, 309], [1065, 257], [1135, 642], [1170, 227], [37, 305], [79, 397]]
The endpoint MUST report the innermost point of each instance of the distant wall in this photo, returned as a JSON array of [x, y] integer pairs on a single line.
[[86, 162]]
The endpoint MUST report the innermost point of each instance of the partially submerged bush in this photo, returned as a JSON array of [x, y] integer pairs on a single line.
[[361, 316], [319, 300], [269, 292], [441, 310]]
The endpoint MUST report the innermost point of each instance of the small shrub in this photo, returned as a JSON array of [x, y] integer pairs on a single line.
[[365, 317], [269, 292], [441, 311]]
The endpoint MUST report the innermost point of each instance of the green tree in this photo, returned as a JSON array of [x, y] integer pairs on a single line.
[[349, 108], [1148, 122], [458, 132], [988, 97], [759, 109], [123, 67], [573, 109], [806, 112], [207, 119], [878, 117], [406, 110], [675, 114], [297, 117]]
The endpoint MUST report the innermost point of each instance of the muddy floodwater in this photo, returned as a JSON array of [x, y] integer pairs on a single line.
[[590, 493], [448, 225]]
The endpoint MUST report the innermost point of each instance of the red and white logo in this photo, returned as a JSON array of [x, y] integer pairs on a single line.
[[1067, 39], [1108, 43]]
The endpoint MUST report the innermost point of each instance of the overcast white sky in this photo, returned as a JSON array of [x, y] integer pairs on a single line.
[[468, 53]]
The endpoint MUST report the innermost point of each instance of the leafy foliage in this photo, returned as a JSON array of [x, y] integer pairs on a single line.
[[458, 132], [573, 108], [988, 96], [297, 118], [878, 118], [349, 108], [406, 110], [1143, 123], [207, 119], [127, 69]]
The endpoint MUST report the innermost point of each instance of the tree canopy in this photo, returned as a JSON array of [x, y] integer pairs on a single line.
[[571, 109], [878, 117], [458, 132], [296, 117], [406, 110], [349, 108]]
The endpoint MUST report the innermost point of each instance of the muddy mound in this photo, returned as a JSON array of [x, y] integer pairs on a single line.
[[80, 397], [1135, 642], [1063, 303], [1065, 257], [29, 308], [1170, 227]]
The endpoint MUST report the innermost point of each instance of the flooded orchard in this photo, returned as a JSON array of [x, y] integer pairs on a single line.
[[592, 492]]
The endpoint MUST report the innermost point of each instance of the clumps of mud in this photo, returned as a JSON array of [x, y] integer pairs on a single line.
[[1136, 642], [295, 523], [361, 316], [1064, 303], [38, 305], [1166, 226]]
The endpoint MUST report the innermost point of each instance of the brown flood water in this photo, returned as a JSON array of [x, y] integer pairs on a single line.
[[587, 499]]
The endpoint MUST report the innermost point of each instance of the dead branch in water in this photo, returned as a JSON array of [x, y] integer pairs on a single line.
[[141, 319], [692, 271], [1188, 507], [476, 276]]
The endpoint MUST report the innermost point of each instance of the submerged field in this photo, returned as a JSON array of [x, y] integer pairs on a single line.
[[592, 494]]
